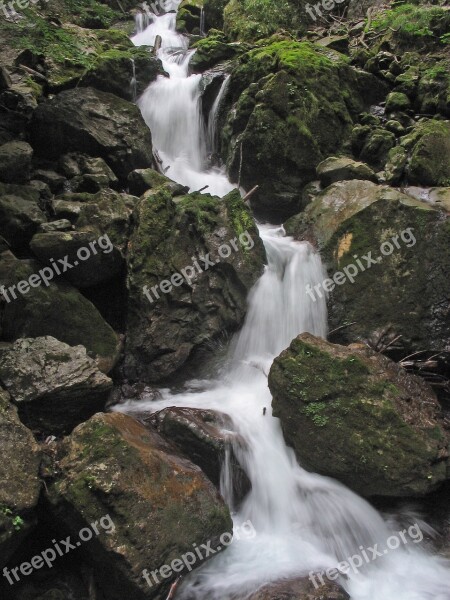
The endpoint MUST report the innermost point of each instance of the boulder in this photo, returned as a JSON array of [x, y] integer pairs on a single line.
[[141, 180], [57, 309], [402, 288], [125, 73], [428, 146], [204, 436], [397, 101], [297, 589], [171, 236], [15, 162], [20, 214], [19, 470], [290, 106], [96, 123], [156, 504], [92, 259], [105, 213], [343, 169], [55, 386], [353, 414]]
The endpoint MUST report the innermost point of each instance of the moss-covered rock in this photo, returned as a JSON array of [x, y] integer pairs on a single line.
[[96, 123], [171, 236], [403, 292], [353, 414], [397, 101], [343, 169], [114, 71], [20, 488], [251, 20], [213, 50], [429, 150], [156, 504], [58, 310], [292, 106]]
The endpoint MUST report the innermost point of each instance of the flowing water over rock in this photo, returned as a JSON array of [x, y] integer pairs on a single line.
[[303, 522]]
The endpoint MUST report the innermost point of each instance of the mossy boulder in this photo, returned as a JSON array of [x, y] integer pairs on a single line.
[[114, 71], [402, 294], [58, 310], [189, 16], [158, 504], [19, 470], [96, 123], [343, 169], [429, 150], [353, 414], [170, 235], [292, 105], [213, 50], [55, 386], [397, 101]]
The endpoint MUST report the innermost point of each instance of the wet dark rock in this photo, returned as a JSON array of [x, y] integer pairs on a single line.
[[20, 214], [20, 488], [15, 162], [55, 386], [96, 123], [297, 589], [57, 309], [157, 504], [204, 436]]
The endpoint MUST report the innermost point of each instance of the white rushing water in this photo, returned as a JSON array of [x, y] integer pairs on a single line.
[[303, 522], [171, 107]]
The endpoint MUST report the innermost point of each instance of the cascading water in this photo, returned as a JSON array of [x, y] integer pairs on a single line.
[[303, 522], [171, 107]]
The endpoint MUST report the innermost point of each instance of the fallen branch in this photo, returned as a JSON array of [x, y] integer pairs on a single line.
[[157, 46], [34, 73], [250, 193], [341, 327], [202, 189]]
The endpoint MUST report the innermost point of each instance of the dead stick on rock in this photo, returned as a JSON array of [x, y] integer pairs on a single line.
[[34, 73], [202, 189], [341, 327], [250, 193]]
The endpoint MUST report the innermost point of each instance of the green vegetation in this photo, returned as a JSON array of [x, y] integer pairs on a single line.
[[251, 20], [412, 23]]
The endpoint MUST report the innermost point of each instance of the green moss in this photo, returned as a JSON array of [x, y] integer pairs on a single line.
[[412, 23], [201, 209], [251, 20]]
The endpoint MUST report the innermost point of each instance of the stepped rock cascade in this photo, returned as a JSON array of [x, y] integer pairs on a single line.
[[171, 108], [303, 522]]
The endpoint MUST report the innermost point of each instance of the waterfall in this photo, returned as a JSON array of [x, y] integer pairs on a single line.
[[304, 522], [171, 107]]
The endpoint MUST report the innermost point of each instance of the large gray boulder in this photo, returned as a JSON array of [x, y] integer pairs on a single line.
[[96, 123], [54, 385], [20, 214]]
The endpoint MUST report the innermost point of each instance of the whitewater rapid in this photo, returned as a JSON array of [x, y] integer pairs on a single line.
[[304, 522]]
